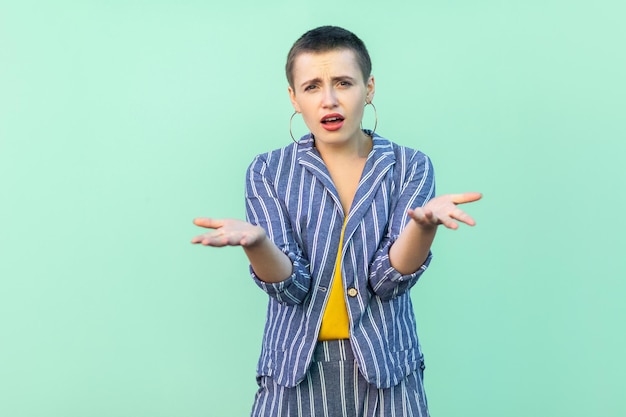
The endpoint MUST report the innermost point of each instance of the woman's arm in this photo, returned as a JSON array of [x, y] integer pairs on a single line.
[[277, 264], [411, 248]]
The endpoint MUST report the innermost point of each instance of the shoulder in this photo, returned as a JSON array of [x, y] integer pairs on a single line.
[[404, 156], [273, 157], [284, 157], [281, 164]]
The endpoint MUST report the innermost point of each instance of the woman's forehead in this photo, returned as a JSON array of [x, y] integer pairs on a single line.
[[327, 62]]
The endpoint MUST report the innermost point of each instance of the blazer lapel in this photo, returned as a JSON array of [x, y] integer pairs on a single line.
[[311, 160], [380, 160]]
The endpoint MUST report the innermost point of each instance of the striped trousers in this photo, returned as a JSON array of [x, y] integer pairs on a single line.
[[334, 387]]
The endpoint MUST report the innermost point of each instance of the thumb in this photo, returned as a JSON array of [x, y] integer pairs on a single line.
[[466, 197], [208, 222]]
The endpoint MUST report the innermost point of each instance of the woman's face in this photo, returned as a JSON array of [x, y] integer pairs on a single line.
[[329, 91]]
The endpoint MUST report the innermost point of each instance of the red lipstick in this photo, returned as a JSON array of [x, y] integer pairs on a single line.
[[332, 122]]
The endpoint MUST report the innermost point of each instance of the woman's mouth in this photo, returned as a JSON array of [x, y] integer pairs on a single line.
[[332, 122]]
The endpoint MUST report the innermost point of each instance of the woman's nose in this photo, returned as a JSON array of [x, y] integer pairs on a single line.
[[329, 98]]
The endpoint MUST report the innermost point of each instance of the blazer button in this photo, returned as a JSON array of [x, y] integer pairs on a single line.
[[352, 292]]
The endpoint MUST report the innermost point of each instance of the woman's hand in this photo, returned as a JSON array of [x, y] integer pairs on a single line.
[[228, 232], [267, 261], [444, 210]]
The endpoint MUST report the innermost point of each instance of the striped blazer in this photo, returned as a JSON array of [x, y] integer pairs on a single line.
[[290, 194]]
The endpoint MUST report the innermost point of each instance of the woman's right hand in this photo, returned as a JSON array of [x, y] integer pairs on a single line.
[[267, 261], [228, 232]]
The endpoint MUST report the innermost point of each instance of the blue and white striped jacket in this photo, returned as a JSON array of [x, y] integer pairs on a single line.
[[290, 194]]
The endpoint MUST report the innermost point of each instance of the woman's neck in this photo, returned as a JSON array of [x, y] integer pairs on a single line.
[[358, 148]]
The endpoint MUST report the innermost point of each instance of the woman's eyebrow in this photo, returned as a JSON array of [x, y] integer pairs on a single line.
[[343, 78], [311, 81], [318, 80]]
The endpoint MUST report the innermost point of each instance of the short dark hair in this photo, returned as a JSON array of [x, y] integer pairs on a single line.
[[328, 38]]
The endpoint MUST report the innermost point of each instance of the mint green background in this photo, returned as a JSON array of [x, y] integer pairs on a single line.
[[120, 121]]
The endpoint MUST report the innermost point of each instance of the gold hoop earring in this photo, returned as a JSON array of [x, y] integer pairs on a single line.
[[290, 122], [375, 117]]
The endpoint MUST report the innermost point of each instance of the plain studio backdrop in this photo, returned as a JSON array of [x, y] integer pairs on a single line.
[[121, 121]]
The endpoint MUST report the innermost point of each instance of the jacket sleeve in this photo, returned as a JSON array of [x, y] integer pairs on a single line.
[[264, 207], [416, 186]]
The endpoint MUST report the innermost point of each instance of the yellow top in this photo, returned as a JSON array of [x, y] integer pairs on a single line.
[[335, 322]]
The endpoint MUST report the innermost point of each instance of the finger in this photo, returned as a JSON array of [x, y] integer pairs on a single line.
[[416, 214], [449, 223], [215, 240], [430, 216], [462, 216], [204, 238], [208, 222], [200, 238], [465, 197], [423, 216], [247, 241]]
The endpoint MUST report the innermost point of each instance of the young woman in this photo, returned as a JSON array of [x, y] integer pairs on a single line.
[[339, 228]]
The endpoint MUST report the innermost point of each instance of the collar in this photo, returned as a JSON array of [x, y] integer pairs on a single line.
[[380, 159]]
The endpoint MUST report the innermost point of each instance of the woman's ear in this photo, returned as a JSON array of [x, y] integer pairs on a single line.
[[292, 97], [371, 89]]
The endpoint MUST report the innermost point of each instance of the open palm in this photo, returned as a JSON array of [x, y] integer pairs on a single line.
[[444, 210]]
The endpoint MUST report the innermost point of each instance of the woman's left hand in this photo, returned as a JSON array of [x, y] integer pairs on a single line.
[[444, 210]]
